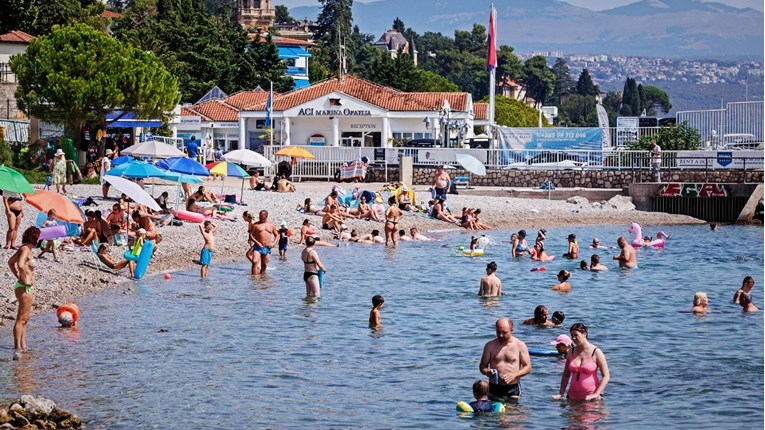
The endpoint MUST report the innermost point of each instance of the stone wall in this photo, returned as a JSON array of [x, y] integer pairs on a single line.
[[574, 178], [8, 108]]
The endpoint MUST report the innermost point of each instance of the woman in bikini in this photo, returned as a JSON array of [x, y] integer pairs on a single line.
[[306, 231], [14, 212], [392, 216], [365, 211], [311, 266], [582, 366], [520, 247], [22, 266]]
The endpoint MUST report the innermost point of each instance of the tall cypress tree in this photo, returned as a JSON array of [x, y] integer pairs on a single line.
[[585, 86], [332, 27]]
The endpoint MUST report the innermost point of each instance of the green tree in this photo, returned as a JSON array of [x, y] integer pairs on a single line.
[[63, 12], [515, 113], [540, 80], [283, 15], [363, 52], [612, 103], [398, 73], [578, 111], [432, 82], [78, 74], [630, 99], [17, 15], [655, 97], [508, 64], [585, 86], [675, 137], [332, 26], [563, 80]]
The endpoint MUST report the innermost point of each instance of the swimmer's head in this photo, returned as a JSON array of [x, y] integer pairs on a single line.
[[375, 232], [558, 317], [595, 241], [564, 275], [480, 389], [504, 328], [310, 241], [402, 232], [522, 233], [572, 237], [540, 314], [594, 260], [748, 283], [491, 267], [562, 344], [377, 300], [578, 328], [744, 299], [699, 298], [583, 265]]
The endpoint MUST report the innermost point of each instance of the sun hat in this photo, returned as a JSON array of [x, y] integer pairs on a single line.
[[108, 152], [564, 339], [59, 152], [141, 231]]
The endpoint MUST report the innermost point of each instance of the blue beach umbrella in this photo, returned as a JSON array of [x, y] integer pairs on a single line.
[[136, 170], [122, 160], [184, 165]]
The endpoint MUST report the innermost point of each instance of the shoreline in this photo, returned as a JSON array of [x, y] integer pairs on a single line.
[[76, 275]]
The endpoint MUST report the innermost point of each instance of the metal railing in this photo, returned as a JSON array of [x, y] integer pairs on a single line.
[[329, 159]]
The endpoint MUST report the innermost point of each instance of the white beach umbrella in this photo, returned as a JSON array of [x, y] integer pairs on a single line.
[[247, 158], [153, 149], [133, 190]]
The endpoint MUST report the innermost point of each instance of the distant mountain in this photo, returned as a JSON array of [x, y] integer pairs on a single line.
[[661, 28]]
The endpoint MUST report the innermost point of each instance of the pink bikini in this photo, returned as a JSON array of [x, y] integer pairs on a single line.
[[584, 378]]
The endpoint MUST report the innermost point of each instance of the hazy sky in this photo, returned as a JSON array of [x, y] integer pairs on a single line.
[[591, 4]]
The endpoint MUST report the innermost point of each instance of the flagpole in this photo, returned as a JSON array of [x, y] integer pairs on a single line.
[[492, 67], [271, 125]]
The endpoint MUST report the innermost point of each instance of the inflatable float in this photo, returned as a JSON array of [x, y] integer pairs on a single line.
[[637, 240], [469, 253], [55, 232], [143, 259], [189, 216], [543, 353], [68, 314], [539, 269], [465, 407]]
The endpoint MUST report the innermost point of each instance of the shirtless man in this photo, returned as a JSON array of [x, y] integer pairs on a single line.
[[441, 183], [746, 287], [628, 258], [264, 236], [373, 237], [491, 285], [505, 361], [595, 265]]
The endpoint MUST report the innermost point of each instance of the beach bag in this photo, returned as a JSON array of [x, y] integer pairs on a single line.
[[547, 185], [230, 198]]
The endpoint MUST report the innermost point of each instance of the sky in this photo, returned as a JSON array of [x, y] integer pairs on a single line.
[[590, 4]]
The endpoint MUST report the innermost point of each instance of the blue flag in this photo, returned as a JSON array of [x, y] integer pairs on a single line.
[[269, 106]]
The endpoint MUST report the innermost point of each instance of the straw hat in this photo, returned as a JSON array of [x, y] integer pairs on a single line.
[[58, 152], [108, 152]]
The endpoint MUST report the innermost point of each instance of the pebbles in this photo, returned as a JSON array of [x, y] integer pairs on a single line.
[[76, 275]]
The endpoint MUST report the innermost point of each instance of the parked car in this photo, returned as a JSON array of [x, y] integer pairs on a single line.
[[552, 161]]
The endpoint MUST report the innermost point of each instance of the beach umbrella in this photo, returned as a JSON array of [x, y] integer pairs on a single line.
[[122, 160], [471, 164], [132, 190], [44, 201], [295, 152], [224, 168], [247, 158], [184, 165], [13, 181], [153, 149], [136, 170]]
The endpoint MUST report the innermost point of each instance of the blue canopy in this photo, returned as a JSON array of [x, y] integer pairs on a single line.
[[137, 170], [129, 121], [293, 52], [300, 83], [183, 165], [122, 160]]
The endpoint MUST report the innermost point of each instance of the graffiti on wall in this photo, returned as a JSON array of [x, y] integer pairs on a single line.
[[694, 190]]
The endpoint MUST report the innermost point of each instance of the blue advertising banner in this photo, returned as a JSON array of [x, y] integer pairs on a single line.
[[520, 141]]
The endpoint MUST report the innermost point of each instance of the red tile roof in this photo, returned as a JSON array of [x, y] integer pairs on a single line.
[[283, 41], [110, 14], [480, 111], [214, 110], [16, 36], [242, 99], [188, 111], [369, 92]]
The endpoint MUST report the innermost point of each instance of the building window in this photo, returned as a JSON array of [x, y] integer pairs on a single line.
[[407, 136], [260, 124]]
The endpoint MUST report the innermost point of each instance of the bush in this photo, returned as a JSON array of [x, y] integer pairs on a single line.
[[34, 176], [6, 154], [680, 137]]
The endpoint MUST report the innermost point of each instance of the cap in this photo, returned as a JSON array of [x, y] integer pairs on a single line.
[[59, 152], [564, 339]]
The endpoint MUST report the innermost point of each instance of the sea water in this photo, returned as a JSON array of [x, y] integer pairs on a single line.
[[236, 351]]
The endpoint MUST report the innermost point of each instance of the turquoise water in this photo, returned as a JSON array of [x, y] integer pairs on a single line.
[[242, 352]]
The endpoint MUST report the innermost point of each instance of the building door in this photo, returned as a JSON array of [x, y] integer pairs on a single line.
[[372, 139]]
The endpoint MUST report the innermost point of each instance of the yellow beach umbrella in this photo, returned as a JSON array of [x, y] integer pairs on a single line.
[[296, 152]]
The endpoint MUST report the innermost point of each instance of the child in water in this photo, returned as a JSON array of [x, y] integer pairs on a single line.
[[374, 314], [558, 317], [473, 243], [481, 394], [284, 238], [205, 256], [562, 344]]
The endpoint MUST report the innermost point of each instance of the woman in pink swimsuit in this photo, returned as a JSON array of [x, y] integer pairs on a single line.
[[582, 367]]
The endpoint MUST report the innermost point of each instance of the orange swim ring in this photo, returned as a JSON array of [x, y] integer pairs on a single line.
[[68, 314]]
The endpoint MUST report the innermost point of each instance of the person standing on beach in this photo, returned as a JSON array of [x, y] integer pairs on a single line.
[[656, 161], [264, 237], [205, 256], [193, 148], [491, 285], [106, 164], [22, 266], [440, 183], [505, 361], [58, 170], [628, 258]]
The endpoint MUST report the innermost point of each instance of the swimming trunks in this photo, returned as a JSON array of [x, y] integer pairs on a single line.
[[584, 378], [440, 193], [27, 288], [504, 391], [263, 250], [307, 275], [205, 257], [282, 247], [482, 406]]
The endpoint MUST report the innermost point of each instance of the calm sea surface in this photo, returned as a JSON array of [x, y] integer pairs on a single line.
[[242, 352]]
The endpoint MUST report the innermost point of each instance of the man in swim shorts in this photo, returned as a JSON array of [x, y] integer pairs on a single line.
[[628, 258], [505, 361], [491, 285], [264, 237], [441, 183]]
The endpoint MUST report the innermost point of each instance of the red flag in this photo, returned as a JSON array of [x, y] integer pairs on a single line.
[[492, 63]]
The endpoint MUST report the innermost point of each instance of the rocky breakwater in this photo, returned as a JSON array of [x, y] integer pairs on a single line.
[[31, 412]]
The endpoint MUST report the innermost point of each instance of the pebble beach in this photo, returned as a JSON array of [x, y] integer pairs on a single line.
[[76, 275]]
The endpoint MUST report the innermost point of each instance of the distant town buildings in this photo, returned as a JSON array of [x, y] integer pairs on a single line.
[[256, 15], [393, 41]]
